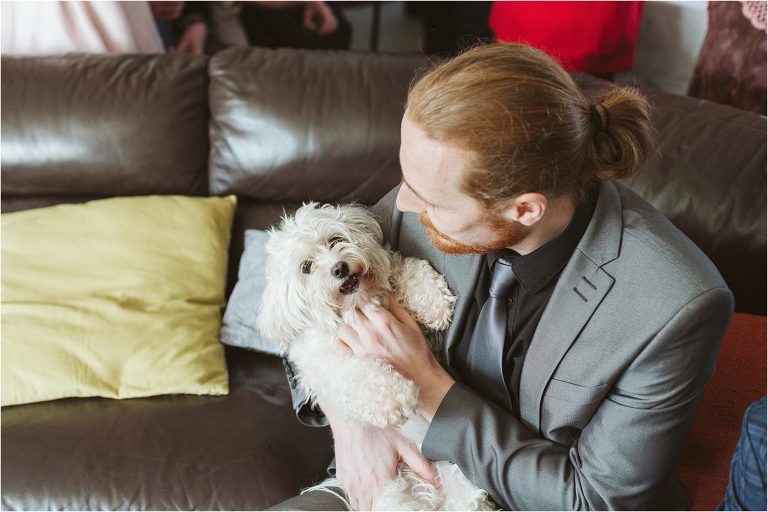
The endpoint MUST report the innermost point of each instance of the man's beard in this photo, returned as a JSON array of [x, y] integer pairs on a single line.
[[506, 233]]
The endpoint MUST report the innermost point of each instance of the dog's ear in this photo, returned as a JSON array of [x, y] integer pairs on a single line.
[[273, 320], [362, 221]]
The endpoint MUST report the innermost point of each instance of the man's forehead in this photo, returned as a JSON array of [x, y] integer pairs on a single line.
[[429, 163]]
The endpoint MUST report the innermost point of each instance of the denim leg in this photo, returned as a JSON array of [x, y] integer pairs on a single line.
[[747, 480]]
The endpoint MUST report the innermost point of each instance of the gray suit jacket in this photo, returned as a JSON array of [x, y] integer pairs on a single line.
[[612, 377]]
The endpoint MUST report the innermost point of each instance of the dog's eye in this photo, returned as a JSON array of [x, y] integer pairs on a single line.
[[306, 266], [333, 241]]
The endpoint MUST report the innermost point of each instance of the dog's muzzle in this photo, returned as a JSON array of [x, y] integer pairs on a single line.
[[340, 270], [350, 284]]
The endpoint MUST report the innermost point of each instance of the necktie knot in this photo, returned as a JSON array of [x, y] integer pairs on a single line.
[[503, 280]]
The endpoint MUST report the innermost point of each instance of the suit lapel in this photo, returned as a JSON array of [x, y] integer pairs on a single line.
[[575, 298], [578, 293], [462, 274]]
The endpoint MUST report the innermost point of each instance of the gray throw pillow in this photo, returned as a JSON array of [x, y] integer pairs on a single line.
[[239, 324]]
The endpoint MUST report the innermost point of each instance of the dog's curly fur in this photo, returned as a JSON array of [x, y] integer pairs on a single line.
[[323, 262]]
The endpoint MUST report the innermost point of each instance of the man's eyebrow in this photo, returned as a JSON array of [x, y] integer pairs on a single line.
[[414, 191]]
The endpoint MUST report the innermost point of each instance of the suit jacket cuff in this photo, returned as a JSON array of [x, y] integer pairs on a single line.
[[311, 416], [306, 413], [444, 440]]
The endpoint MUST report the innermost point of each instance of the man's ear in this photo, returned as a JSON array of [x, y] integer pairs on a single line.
[[526, 209]]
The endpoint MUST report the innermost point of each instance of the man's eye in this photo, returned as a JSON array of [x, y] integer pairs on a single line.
[[333, 241], [306, 266]]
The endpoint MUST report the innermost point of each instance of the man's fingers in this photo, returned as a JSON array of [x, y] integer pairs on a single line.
[[309, 13], [350, 338], [329, 24], [365, 330], [359, 498], [378, 316], [342, 348], [352, 501], [401, 314], [418, 463], [364, 502], [186, 45], [369, 503]]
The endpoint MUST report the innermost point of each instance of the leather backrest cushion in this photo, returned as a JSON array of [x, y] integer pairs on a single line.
[[708, 176], [290, 125], [104, 125]]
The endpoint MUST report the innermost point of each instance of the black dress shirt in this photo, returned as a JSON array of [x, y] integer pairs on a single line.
[[537, 274]]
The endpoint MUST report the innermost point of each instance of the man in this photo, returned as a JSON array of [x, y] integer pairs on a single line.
[[587, 325]]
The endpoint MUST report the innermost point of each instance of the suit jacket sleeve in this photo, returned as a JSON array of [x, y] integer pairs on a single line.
[[624, 456], [305, 412]]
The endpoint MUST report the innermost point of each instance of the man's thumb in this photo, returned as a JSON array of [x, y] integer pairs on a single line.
[[411, 455]]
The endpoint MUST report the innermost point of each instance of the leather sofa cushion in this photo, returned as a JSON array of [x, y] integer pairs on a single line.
[[104, 125], [292, 125], [244, 451]]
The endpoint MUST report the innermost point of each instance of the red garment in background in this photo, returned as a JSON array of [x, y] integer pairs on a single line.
[[596, 37]]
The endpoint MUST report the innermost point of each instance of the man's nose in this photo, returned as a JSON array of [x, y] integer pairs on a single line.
[[407, 201]]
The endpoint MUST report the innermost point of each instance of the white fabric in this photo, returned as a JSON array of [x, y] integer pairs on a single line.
[[50, 27]]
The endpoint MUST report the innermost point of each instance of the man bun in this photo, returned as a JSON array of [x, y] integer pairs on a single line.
[[620, 138]]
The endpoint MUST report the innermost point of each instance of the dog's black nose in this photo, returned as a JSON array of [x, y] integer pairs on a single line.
[[340, 270]]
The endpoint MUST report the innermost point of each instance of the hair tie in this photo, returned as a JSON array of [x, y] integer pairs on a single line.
[[597, 119]]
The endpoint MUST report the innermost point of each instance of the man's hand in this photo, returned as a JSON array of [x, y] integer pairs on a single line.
[[367, 458], [193, 39], [319, 18], [393, 335]]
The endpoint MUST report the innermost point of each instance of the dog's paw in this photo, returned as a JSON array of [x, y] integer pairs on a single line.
[[426, 295], [439, 317], [395, 402]]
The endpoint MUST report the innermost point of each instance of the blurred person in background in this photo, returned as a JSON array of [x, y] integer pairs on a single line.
[[313, 25], [451, 27], [207, 27], [184, 26], [51, 27]]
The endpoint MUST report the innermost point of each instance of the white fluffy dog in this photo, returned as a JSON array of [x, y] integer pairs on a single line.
[[323, 262]]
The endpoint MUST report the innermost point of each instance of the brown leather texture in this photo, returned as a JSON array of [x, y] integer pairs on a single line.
[[104, 125], [284, 126], [244, 451], [299, 124]]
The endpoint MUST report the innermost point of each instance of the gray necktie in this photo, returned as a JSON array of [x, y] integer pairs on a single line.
[[486, 350]]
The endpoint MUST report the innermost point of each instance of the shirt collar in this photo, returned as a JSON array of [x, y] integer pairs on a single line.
[[536, 269]]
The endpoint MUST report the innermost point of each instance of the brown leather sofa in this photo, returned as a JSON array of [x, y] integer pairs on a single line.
[[275, 128]]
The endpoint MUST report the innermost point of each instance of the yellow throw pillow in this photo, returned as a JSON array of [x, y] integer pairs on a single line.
[[117, 298]]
